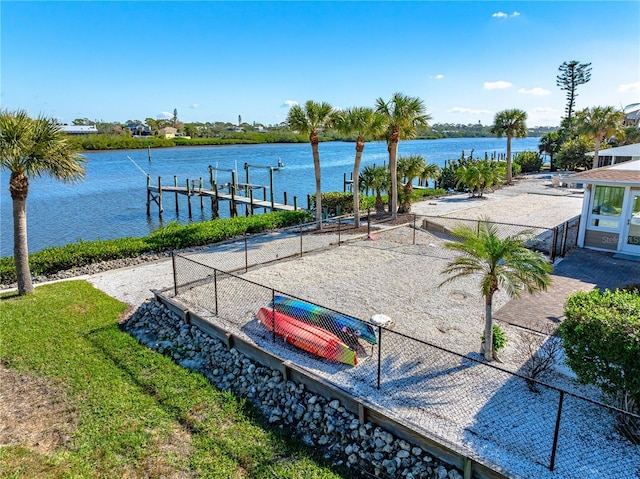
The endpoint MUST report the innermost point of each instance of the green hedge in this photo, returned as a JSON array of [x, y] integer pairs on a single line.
[[601, 335], [344, 200], [173, 236]]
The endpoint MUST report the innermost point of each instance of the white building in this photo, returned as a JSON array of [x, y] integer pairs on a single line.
[[612, 156], [611, 207]]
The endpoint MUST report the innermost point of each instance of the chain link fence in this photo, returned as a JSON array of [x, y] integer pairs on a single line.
[[254, 250], [459, 398]]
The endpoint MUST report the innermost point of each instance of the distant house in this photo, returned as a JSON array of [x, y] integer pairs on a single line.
[[620, 154], [235, 129], [79, 129], [611, 207], [138, 129], [167, 132]]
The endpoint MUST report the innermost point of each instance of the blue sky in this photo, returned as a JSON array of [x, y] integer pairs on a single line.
[[213, 61]]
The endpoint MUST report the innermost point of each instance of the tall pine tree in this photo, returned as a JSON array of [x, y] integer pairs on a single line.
[[572, 74]]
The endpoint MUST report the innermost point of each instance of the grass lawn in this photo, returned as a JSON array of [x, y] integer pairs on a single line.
[[81, 398]]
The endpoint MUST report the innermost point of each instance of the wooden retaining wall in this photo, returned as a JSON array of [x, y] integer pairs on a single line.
[[444, 450]]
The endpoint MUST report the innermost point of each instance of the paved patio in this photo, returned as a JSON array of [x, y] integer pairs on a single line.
[[580, 270]]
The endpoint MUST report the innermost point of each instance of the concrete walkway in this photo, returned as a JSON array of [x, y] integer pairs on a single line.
[[580, 270]]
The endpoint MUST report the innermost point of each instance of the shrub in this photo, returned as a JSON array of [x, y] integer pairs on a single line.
[[529, 161], [173, 236], [601, 335], [448, 179], [499, 339], [334, 200], [573, 154]]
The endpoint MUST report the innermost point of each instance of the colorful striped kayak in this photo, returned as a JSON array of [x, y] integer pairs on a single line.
[[306, 336], [337, 323]]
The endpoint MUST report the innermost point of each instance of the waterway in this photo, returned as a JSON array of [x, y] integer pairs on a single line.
[[111, 201]]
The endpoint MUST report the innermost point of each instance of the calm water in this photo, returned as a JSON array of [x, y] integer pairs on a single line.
[[111, 201]]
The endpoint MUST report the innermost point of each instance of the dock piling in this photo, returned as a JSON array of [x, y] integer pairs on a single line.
[[148, 196], [175, 184], [160, 209], [189, 197]]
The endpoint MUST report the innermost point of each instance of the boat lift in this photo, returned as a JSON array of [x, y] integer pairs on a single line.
[[271, 169]]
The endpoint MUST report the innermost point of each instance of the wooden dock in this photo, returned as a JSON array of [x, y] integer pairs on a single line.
[[237, 194]]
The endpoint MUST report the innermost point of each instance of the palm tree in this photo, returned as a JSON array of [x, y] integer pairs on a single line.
[[550, 144], [377, 179], [512, 124], [500, 263], [409, 168], [430, 172], [600, 122], [364, 122], [30, 149], [478, 175], [308, 120], [404, 114]]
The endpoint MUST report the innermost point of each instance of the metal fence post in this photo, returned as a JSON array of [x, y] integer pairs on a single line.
[[554, 240], [556, 432], [565, 231], [175, 275], [246, 254], [379, 353], [368, 222], [215, 288], [273, 313], [300, 240], [414, 228], [339, 226]]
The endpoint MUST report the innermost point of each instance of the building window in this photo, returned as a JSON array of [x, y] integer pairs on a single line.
[[607, 207]]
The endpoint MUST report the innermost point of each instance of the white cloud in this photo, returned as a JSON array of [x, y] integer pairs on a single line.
[[504, 15], [288, 103], [537, 91], [469, 111], [195, 106], [164, 115], [439, 76], [625, 87], [497, 85]]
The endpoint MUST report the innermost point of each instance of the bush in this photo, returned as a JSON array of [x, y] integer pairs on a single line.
[[334, 200], [499, 339], [529, 161], [601, 335], [573, 154], [173, 236]]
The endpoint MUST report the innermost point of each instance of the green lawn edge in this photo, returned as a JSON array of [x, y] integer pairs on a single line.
[[137, 413]]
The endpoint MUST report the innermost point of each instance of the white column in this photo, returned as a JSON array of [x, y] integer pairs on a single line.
[[586, 214]]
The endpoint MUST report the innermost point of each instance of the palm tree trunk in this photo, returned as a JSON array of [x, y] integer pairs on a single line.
[[595, 152], [19, 187], [393, 168], [509, 171], [488, 329], [356, 186], [316, 166]]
